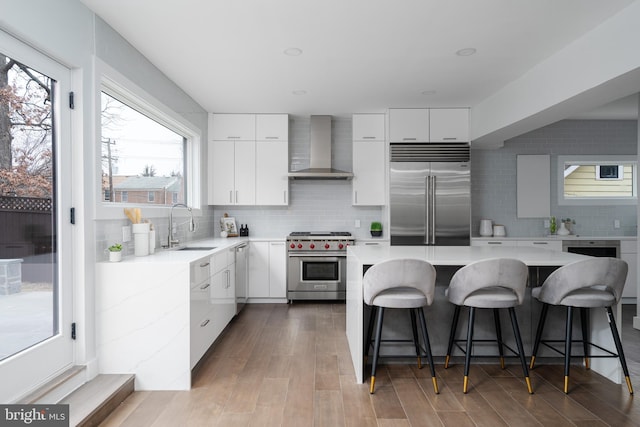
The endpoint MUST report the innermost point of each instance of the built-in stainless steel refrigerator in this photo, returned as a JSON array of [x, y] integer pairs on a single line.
[[430, 195]]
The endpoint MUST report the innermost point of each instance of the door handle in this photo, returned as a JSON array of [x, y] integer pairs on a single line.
[[432, 206]]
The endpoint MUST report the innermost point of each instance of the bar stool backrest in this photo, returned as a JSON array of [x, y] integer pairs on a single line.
[[602, 273], [399, 273], [495, 272]]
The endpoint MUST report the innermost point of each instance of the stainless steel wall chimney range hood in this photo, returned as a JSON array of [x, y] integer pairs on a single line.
[[320, 154]]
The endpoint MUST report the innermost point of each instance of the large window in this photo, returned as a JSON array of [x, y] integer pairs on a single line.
[[143, 161], [142, 146]]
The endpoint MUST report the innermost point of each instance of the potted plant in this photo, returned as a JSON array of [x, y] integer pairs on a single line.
[[115, 252], [376, 229]]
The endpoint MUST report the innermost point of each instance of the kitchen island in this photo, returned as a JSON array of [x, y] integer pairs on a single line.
[[447, 259]]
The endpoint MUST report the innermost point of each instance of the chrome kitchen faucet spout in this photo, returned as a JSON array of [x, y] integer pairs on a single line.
[[171, 242]]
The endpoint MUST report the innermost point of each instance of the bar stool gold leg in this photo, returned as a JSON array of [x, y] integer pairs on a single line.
[[372, 386], [446, 361], [566, 385], [529, 388], [629, 386], [533, 361], [434, 380], [419, 363]]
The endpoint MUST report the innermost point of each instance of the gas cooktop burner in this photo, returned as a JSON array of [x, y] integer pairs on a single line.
[[320, 233]]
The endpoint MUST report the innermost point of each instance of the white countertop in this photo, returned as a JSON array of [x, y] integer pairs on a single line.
[[178, 256], [462, 255]]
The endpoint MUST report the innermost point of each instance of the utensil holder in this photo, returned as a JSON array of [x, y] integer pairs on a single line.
[[141, 239]]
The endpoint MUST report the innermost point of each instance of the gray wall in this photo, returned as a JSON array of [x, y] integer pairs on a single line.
[[493, 177]]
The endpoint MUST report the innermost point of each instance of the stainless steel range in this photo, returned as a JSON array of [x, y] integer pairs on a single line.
[[316, 265]]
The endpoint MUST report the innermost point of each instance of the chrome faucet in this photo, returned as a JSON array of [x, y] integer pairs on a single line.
[[192, 225]]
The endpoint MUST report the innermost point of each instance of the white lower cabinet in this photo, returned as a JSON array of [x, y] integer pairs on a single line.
[[267, 271]]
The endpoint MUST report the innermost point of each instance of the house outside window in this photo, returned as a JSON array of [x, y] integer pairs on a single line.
[[124, 196], [151, 198]]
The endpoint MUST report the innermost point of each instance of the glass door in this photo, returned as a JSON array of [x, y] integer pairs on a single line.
[[35, 194]]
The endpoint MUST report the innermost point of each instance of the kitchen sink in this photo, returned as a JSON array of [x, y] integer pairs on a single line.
[[197, 248]]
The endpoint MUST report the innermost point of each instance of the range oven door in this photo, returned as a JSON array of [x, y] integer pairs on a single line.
[[316, 277]]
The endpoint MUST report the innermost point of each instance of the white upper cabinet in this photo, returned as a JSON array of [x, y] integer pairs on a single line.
[[232, 127], [368, 184], [409, 125], [232, 173], [272, 127], [368, 127], [272, 159], [449, 125], [272, 173]]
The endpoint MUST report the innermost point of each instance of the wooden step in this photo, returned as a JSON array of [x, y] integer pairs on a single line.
[[90, 404]]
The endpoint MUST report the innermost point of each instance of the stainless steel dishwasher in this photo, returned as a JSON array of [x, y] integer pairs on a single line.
[[242, 275]]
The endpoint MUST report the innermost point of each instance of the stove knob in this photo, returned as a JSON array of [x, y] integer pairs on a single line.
[[293, 245], [299, 245], [340, 246], [312, 246], [327, 246]]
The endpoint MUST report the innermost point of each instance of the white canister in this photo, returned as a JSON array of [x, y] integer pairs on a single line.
[[141, 238], [152, 241], [486, 227], [499, 231]]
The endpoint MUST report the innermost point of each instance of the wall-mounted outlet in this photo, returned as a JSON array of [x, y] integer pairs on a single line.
[[546, 223], [616, 223], [357, 225], [126, 234]]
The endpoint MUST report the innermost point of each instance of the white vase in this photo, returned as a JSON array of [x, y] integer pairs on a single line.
[[563, 231], [115, 256]]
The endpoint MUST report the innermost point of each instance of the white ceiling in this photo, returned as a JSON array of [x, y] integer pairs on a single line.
[[357, 55]]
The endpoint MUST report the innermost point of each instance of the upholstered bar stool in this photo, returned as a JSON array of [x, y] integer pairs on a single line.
[[399, 283], [585, 284], [497, 283]]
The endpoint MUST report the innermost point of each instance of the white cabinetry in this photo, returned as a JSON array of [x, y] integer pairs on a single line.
[[629, 253], [267, 271], [368, 127], [201, 313], [277, 270], [449, 125], [232, 172], [272, 127], [368, 182], [272, 159], [409, 125], [232, 127], [552, 245], [248, 159]]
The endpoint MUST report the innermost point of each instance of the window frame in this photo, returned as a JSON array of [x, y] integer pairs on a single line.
[[596, 161], [116, 85]]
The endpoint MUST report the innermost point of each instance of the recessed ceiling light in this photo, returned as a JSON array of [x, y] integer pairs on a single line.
[[468, 51], [428, 92], [299, 92], [293, 51]]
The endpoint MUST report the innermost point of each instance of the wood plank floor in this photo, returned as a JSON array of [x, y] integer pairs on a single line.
[[289, 365]]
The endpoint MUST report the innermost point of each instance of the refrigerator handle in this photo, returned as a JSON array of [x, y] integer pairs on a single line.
[[432, 208], [427, 211]]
